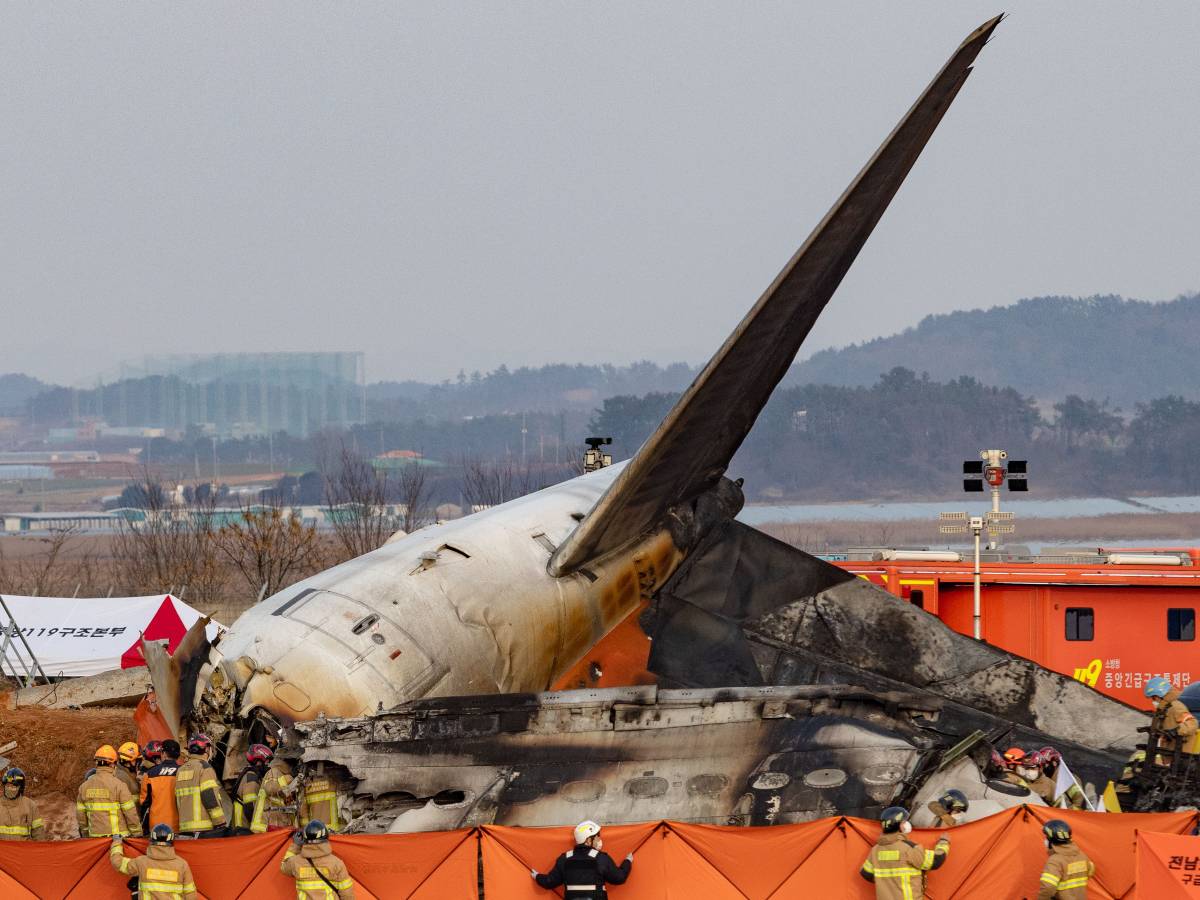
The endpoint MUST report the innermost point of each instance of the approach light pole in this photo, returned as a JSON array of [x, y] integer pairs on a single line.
[[594, 458], [990, 468], [961, 523]]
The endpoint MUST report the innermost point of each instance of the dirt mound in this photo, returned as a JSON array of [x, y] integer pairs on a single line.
[[55, 746]]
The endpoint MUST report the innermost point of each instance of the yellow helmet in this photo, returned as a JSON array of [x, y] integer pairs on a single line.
[[106, 754], [129, 752]]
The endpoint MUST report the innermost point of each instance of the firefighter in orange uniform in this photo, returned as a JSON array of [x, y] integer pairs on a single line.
[[160, 874], [19, 820], [156, 801], [1173, 719], [895, 864], [318, 873], [104, 807], [1067, 869]]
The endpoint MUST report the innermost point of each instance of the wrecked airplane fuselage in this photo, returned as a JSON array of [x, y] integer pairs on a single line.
[[746, 756], [510, 599]]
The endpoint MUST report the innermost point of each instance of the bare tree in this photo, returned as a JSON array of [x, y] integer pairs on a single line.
[[172, 548], [53, 570], [413, 493], [356, 502], [487, 483], [269, 549]]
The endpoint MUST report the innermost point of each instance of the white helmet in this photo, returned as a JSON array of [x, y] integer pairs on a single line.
[[585, 830]]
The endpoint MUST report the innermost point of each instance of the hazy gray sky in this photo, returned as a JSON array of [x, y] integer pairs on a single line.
[[454, 186]]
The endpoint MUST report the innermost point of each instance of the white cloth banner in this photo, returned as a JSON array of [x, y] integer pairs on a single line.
[[72, 636], [1063, 782]]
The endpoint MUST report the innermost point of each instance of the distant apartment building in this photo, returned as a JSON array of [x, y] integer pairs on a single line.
[[227, 395]]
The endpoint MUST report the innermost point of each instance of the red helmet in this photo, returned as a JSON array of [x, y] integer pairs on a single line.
[[1049, 754], [259, 753], [1034, 759], [153, 752], [199, 743]]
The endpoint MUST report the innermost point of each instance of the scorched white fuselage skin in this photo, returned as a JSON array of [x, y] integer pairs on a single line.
[[464, 607]]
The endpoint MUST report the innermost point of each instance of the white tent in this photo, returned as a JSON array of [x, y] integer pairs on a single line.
[[73, 636]]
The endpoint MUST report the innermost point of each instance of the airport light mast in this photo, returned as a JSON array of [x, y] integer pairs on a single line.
[[989, 467], [594, 458]]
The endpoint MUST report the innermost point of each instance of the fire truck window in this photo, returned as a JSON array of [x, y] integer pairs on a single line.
[[1081, 624], [917, 599], [1181, 624]]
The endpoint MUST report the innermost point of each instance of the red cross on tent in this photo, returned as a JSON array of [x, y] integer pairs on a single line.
[[166, 624]]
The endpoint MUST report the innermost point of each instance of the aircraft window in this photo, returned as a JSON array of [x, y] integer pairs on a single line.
[[646, 787], [582, 791], [1181, 624], [706, 785], [364, 623], [1081, 624]]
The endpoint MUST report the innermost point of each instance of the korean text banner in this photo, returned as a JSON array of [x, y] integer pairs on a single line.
[[73, 636]]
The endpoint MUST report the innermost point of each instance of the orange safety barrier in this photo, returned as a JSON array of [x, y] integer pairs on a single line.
[[432, 866], [998, 857], [1168, 866]]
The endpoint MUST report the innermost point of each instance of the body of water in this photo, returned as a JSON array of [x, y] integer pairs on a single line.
[[1065, 508]]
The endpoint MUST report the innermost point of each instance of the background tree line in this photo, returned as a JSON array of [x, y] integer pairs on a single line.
[[906, 436]]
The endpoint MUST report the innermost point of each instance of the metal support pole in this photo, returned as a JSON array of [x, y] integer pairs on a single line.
[[993, 539], [978, 611]]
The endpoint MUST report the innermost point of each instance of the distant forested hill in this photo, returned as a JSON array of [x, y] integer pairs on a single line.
[[1101, 347]]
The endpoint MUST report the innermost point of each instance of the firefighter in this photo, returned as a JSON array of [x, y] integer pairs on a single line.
[[1173, 719], [949, 808], [152, 755], [1067, 869], [1013, 761], [128, 756], [277, 786], [104, 807], [160, 874], [19, 819], [198, 794], [1048, 761], [584, 870], [895, 864], [318, 800], [1124, 786], [156, 797], [250, 798], [318, 873]]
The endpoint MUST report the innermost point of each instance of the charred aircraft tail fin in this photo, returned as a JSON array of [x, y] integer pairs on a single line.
[[692, 447]]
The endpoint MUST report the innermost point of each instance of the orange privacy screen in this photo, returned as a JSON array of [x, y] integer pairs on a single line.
[[998, 857]]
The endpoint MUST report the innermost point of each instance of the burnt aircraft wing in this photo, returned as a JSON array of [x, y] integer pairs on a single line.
[[691, 449]]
